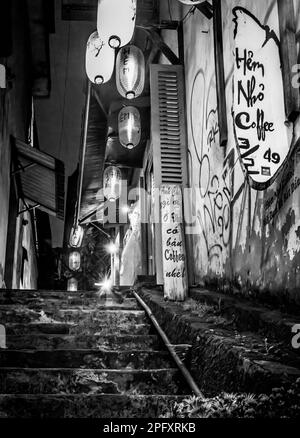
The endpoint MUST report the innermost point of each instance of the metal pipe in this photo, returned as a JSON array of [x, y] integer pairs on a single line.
[[83, 151], [99, 229], [185, 372]]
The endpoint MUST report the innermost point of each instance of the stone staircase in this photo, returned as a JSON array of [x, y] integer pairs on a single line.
[[76, 354]]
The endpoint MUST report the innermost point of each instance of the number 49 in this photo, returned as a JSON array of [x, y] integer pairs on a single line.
[[275, 158]]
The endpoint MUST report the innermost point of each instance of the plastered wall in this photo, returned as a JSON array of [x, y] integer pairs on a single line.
[[244, 239]]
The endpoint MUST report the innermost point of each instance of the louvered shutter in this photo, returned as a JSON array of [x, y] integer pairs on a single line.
[[168, 125], [168, 136]]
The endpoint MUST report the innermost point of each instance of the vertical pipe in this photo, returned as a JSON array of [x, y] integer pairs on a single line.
[[83, 151]]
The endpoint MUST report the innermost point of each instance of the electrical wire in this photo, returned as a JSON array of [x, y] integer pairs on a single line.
[[169, 7], [189, 12]]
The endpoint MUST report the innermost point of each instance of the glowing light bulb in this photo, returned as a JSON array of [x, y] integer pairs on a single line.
[[111, 248]]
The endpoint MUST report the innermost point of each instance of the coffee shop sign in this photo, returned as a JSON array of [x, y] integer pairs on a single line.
[[259, 119]]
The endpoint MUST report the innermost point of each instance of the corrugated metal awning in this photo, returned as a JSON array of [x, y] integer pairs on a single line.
[[40, 178]]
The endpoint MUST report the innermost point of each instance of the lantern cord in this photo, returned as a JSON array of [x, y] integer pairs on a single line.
[[169, 7]]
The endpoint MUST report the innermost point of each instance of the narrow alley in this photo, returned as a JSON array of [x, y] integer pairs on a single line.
[[150, 214]]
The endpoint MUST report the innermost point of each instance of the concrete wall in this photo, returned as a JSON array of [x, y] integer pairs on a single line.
[[15, 113], [244, 239], [25, 272]]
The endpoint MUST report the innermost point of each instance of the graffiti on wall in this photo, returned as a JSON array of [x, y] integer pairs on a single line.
[[279, 196], [211, 176], [258, 101]]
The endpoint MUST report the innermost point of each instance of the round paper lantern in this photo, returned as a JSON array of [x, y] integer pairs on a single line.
[[129, 123], [191, 2], [99, 60], [116, 21], [74, 260], [130, 72], [76, 236], [112, 179], [72, 284]]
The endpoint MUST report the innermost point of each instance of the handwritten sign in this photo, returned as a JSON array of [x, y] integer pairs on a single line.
[[173, 247], [258, 104]]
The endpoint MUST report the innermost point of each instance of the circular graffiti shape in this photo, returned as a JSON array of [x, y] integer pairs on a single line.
[[197, 105], [204, 176]]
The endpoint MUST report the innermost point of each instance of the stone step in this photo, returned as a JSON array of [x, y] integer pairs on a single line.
[[222, 359], [39, 304], [86, 406], [76, 329], [24, 315], [248, 316], [54, 294], [89, 381], [109, 342], [130, 359]]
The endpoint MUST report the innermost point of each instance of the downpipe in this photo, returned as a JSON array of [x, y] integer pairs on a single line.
[[185, 372]]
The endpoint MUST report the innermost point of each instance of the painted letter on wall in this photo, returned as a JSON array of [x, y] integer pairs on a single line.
[[173, 245], [258, 104]]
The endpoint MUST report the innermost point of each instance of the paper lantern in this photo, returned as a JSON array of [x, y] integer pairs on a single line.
[[191, 2], [116, 21], [72, 284], [130, 72], [112, 180], [76, 236], [99, 60], [74, 260], [129, 125]]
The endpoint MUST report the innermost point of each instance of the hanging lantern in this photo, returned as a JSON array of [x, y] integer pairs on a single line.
[[130, 72], [76, 236], [112, 179], [116, 21], [129, 123], [74, 260], [191, 2], [72, 284], [99, 60]]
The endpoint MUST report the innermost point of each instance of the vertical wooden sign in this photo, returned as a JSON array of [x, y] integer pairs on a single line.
[[173, 245]]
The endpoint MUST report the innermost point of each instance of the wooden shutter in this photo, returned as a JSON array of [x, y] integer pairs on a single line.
[[168, 136], [168, 125]]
